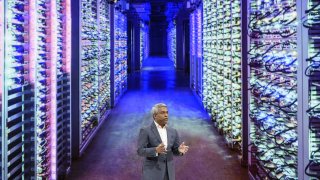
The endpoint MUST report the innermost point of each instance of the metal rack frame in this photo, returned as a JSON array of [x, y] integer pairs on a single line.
[[103, 111]]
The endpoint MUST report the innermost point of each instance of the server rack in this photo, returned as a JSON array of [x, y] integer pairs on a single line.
[[104, 60], [144, 42], [142, 34], [93, 71], [172, 42], [35, 88], [119, 58], [1, 82], [17, 99], [310, 38], [196, 51], [275, 91], [193, 48], [146, 49], [222, 67], [63, 96]]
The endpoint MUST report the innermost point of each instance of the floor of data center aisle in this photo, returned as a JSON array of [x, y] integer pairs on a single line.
[[112, 153]]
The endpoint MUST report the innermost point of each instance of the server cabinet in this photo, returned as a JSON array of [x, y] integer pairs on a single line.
[[119, 58], [222, 68], [311, 79], [196, 51], [274, 59], [1, 81], [146, 47], [142, 45], [92, 71], [144, 42], [35, 88], [172, 42]]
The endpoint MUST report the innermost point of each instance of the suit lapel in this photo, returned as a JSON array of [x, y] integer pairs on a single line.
[[155, 131]]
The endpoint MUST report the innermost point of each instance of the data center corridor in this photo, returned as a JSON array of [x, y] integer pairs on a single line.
[[112, 153], [241, 79]]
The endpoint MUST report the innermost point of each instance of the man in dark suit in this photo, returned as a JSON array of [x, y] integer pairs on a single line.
[[158, 143]]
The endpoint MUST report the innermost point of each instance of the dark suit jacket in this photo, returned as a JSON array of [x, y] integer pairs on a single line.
[[154, 166]]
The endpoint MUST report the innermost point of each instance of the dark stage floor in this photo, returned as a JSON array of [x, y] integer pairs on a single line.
[[112, 153]]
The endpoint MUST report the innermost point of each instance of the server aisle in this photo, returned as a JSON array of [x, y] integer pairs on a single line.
[[35, 88], [196, 51], [222, 67], [172, 42], [94, 72], [158, 81]]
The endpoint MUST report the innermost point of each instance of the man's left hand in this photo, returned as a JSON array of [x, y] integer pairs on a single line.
[[183, 148]]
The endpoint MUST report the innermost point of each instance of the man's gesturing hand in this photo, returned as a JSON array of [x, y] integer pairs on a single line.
[[161, 148], [183, 148]]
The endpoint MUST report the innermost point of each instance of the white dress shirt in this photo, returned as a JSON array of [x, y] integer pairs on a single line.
[[163, 134]]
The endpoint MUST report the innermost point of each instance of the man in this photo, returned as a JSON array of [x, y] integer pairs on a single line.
[[158, 143]]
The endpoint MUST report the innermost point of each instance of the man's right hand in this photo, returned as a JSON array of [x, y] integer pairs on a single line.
[[161, 148]]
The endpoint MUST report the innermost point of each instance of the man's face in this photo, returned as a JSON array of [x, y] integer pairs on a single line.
[[162, 116]]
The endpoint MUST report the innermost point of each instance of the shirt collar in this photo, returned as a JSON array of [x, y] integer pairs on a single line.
[[158, 126]]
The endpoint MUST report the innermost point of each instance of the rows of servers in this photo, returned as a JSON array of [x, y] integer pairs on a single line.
[[282, 62], [35, 56], [35, 81], [172, 41]]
